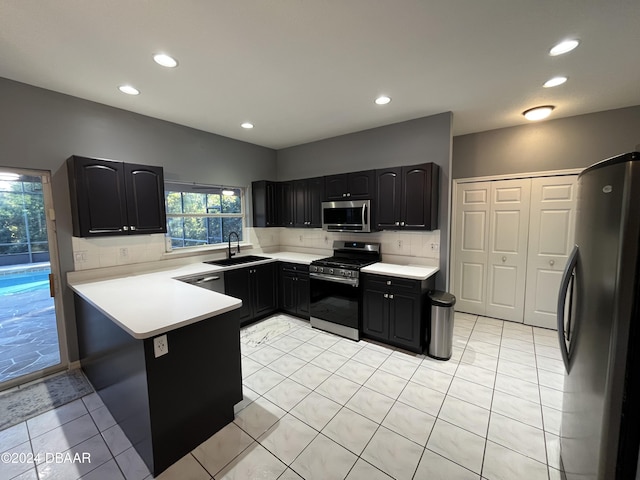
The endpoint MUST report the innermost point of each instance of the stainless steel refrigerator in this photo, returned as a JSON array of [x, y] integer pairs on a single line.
[[599, 326]]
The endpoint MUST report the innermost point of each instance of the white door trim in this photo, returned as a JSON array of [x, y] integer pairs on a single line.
[[515, 176]]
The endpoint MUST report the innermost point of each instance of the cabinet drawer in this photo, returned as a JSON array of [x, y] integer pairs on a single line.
[[405, 285], [294, 267]]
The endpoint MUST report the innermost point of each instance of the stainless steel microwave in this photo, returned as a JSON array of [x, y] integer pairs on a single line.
[[346, 216]]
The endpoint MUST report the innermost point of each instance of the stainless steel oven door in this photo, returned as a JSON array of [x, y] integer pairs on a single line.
[[335, 305]]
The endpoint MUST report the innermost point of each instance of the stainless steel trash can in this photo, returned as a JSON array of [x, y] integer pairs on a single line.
[[440, 330]]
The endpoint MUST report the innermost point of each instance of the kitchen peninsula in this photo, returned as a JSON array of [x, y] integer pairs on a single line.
[[166, 404]]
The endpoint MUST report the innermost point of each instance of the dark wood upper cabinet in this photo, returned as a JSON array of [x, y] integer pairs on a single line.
[[389, 186], [407, 197], [115, 198], [348, 186], [308, 194], [144, 186], [266, 208], [286, 203]]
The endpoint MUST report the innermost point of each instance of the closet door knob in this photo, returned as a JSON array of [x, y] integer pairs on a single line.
[[504, 259]]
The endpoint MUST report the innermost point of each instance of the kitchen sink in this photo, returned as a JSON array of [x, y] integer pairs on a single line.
[[225, 262]]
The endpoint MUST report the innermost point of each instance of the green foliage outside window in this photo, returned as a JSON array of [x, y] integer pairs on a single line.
[[23, 225], [202, 218]]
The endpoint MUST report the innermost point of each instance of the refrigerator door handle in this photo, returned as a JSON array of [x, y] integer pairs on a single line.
[[566, 282]]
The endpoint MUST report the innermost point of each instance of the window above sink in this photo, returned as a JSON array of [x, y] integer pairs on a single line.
[[200, 214]]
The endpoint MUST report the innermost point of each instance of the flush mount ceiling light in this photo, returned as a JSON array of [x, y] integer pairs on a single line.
[[228, 193], [165, 60], [563, 47], [247, 125], [554, 82], [538, 113], [129, 90], [382, 100]]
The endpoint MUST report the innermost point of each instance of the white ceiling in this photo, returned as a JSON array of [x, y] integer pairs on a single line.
[[303, 70]]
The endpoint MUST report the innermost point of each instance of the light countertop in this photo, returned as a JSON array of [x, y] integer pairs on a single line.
[[149, 304], [414, 272]]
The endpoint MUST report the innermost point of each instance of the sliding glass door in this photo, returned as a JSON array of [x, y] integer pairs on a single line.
[[31, 334]]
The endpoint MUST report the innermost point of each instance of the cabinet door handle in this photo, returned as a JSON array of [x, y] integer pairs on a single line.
[[348, 194], [504, 259], [391, 296], [552, 262], [402, 224], [388, 282], [386, 295], [344, 194], [397, 223], [125, 228], [133, 227]]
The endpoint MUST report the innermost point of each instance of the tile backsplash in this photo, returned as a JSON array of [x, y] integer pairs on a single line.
[[103, 252], [397, 247]]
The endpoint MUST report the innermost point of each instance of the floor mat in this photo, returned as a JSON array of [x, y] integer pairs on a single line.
[[18, 405]]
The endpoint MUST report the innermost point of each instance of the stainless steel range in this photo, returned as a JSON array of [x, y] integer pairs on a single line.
[[335, 287]]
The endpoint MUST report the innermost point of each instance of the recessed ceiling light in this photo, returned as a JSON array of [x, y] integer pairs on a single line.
[[165, 60], [554, 82], [129, 90], [563, 47], [246, 125], [382, 100], [538, 113]]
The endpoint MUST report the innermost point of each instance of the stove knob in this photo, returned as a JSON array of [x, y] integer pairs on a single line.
[[331, 271], [347, 273], [320, 269]]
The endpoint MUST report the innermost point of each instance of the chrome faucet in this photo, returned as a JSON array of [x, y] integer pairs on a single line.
[[237, 238]]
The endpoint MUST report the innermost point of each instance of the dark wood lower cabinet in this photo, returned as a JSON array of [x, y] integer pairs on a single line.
[[169, 405], [256, 287], [395, 310], [294, 289]]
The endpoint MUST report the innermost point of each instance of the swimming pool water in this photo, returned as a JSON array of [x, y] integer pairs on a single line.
[[23, 282]]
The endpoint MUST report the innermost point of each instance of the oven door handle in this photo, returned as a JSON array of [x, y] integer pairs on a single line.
[[349, 281]]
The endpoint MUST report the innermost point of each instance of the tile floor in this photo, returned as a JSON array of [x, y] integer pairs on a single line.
[[320, 407]]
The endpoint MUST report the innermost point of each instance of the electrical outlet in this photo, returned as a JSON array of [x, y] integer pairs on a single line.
[[300, 238], [80, 257], [399, 243], [160, 346], [434, 247], [124, 252]]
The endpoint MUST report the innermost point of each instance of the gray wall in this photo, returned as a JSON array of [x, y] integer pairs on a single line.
[[40, 129], [573, 142], [426, 139]]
